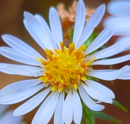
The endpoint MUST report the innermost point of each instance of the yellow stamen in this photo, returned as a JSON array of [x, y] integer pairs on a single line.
[[71, 48], [65, 68], [41, 60], [90, 61], [75, 86], [40, 78], [45, 79], [49, 53], [60, 89], [62, 46], [83, 78], [82, 48], [53, 88]]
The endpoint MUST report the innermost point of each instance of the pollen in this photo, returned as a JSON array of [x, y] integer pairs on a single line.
[[65, 68]]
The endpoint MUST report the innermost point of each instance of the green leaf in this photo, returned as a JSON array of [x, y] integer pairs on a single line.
[[105, 116], [117, 104]]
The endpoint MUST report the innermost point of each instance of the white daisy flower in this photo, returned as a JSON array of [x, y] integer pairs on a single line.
[[61, 80], [120, 19], [8, 118]]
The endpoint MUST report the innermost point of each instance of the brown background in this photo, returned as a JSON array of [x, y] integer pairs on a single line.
[[11, 15]]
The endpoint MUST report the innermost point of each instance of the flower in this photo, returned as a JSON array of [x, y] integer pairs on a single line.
[[65, 76], [68, 18], [120, 17], [7, 118]]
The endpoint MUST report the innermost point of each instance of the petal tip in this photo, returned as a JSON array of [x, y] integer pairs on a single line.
[[26, 14]]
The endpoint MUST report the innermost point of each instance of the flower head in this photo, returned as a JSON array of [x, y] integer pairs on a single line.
[[65, 76], [68, 18], [7, 117], [120, 17]]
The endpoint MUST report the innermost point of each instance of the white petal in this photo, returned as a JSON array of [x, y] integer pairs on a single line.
[[31, 103], [121, 45], [58, 111], [16, 120], [112, 61], [21, 46], [5, 70], [20, 96], [8, 118], [79, 21], [18, 86], [109, 75], [46, 110], [97, 95], [33, 34], [93, 22], [67, 114], [55, 26], [120, 25], [45, 25], [119, 8], [77, 107], [100, 40], [17, 56], [23, 123], [125, 76], [21, 70], [37, 30], [100, 88], [89, 102], [28, 71]]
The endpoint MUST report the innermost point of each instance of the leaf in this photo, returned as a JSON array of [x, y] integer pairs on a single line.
[[105, 116], [117, 104]]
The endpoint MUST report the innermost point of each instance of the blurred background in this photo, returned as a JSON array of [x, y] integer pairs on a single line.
[[11, 17]]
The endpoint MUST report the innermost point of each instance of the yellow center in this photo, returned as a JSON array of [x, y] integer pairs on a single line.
[[65, 68]]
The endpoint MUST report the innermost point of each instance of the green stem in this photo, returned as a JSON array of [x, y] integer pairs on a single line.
[[88, 114]]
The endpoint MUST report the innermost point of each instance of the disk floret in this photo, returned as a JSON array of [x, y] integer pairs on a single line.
[[65, 68]]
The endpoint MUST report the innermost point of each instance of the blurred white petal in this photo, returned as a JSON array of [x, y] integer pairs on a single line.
[[120, 25], [119, 8]]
